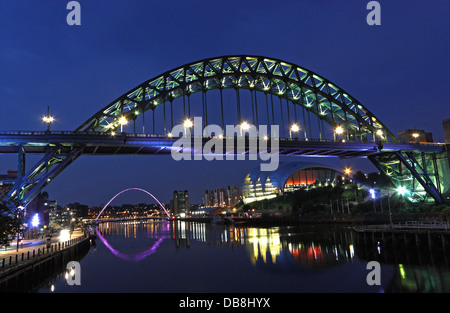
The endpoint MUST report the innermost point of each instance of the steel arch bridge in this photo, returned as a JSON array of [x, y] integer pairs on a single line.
[[278, 93], [304, 88]]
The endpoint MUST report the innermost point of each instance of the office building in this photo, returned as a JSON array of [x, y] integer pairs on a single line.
[[181, 203]]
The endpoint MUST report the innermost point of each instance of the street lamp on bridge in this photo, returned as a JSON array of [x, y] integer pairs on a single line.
[[122, 121], [294, 129], [48, 119], [245, 126], [338, 131], [187, 125]]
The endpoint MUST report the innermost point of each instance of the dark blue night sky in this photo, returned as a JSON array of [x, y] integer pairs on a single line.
[[399, 70]]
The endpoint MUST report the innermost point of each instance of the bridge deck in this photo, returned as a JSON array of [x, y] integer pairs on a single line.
[[136, 144]]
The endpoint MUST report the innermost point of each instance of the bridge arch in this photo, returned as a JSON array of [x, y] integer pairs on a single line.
[[305, 89], [128, 189]]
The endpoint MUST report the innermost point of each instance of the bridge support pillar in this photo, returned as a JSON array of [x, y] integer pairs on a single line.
[[21, 162]]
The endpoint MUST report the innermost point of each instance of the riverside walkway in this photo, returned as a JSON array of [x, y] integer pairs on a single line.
[[32, 248]]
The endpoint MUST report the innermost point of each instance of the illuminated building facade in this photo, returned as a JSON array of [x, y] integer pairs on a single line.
[[233, 195], [221, 197], [180, 203], [288, 177]]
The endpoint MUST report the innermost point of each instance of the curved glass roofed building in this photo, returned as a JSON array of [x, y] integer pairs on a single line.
[[289, 176]]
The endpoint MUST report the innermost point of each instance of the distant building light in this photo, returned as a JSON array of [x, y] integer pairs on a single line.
[[35, 220], [372, 193]]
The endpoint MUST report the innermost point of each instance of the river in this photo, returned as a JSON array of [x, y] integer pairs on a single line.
[[193, 257]]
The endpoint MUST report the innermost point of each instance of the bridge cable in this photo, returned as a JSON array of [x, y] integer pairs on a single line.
[[238, 102], [256, 109], [164, 107], [221, 108], [282, 117]]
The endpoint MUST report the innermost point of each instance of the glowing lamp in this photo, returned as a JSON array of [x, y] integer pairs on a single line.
[[35, 220], [339, 130], [64, 235], [402, 190], [123, 120], [295, 128], [245, 126], [188, 123]]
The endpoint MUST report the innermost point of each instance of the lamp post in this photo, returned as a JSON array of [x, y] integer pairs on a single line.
[[187, 125], [48, 119], [122, 121], [244, 127], [339, 131], [380, 133], [294, 129]]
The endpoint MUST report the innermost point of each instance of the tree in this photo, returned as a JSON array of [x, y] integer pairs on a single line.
[[360, 178], [11, 220]]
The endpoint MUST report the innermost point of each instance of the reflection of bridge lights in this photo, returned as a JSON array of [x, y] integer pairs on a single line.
[[137, 257], [372, 193]]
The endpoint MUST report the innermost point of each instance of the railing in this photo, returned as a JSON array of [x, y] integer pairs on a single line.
[[409, 225], [423, 225], [37, 253], [130, 218], [167, 136]]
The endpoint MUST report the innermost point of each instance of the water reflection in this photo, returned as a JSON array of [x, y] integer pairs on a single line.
[[421, 266], [309, 246], [183, 256], [131, 230]]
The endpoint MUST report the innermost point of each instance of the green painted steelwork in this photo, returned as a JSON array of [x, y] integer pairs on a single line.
[[256, 73]]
